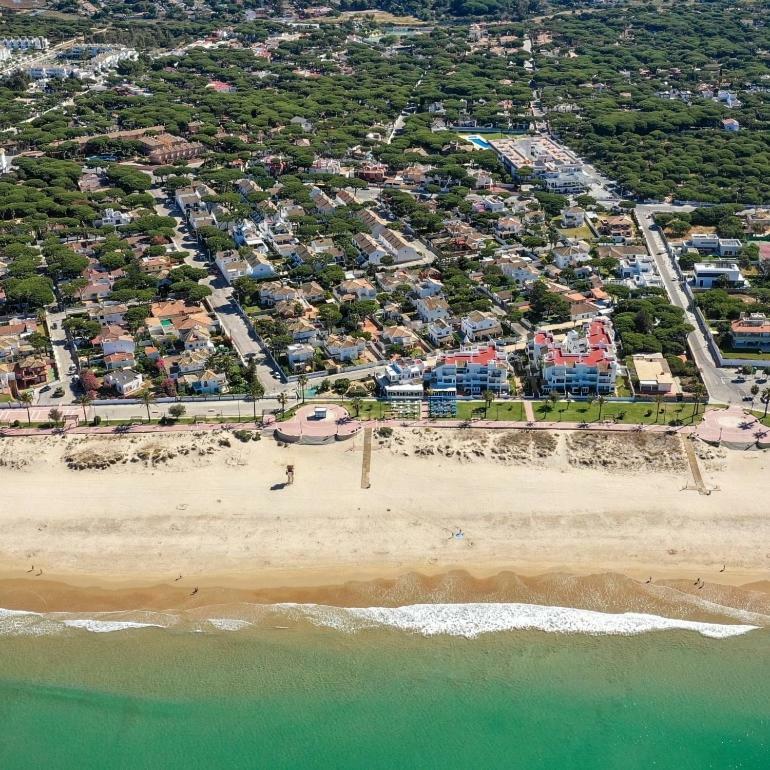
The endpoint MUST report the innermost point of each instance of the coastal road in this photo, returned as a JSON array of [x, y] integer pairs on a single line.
[[717, 379], [138, 412]]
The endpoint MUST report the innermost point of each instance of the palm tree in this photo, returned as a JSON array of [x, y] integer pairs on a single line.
[[357, 402], [26, 398], [698, 391], [589, 404], [302, 381], [658, 399], [282, 399], [55, 416], [765, 399], [601, 401], [754, 390], [147, 398], [255, 392], [84, 401], [553, 397], [489, 397]]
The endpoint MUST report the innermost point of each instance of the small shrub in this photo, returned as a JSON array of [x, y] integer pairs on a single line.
[[242, 435], [384, 432], [15, 424], [97, 420]]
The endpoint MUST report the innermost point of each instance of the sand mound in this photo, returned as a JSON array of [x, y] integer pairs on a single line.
[[16, 455], [631, 452], [142, 451], [508, 447]]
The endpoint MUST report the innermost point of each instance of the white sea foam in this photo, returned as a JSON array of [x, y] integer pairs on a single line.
[[468, 620], [106, 626], [229, 624], [15, 613], [472, 619]]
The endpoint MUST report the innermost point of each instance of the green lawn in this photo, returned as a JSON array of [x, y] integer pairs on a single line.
[[370, 410], [761, 415], [633, 413], [747, 354], [502, 410]]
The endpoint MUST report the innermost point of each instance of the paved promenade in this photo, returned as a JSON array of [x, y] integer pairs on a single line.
[[606, 427]]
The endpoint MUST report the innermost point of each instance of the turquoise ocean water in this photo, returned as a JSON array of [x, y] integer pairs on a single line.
[[308, 697]]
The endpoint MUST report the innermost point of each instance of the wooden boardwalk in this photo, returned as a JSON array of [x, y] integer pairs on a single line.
[[366, 462], [692, 458]]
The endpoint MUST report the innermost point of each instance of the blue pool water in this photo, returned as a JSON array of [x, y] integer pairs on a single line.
[[479, 142]]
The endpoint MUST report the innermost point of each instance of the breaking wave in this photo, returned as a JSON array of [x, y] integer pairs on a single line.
[[474, 619], [468, 620]]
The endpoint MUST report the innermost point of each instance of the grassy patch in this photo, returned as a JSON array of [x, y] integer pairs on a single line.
[[629, 413], [502, 410], [747, 354]]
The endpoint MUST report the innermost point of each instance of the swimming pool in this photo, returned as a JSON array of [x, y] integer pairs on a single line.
[[479, 142]]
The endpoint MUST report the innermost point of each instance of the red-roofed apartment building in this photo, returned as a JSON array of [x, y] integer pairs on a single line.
[[471, 372], [581, 363]]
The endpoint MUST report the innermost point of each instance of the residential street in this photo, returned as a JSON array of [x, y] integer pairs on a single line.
[[717, 380], [221, 299], [65, 363]]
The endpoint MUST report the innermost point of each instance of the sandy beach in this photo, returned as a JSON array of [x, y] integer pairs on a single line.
[[110, 522]]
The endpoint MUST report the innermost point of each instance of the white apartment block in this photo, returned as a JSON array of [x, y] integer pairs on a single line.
[[471, 372], [581, 363]]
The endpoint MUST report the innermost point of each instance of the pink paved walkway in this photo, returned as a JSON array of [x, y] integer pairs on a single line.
[[733, 427], [611, 427], [112, 430], [306, 427]]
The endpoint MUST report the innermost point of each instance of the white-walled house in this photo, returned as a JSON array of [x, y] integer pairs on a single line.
[[707, 275], [441, 332], [234, 265], [299, 354], [114, 339], [112, 218], [432, 308], [478, 325], [125, 381], [572, 217], [344, 348]]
